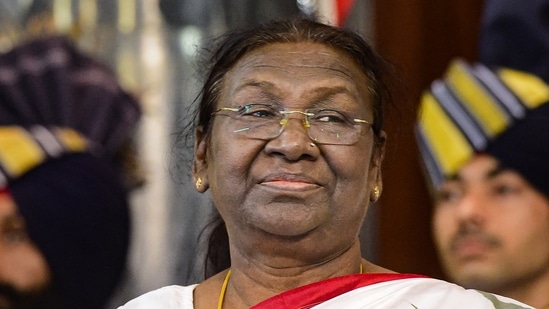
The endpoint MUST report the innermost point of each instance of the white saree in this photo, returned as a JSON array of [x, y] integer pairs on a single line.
[[379, 291]]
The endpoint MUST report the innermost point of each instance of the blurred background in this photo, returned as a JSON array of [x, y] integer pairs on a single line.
[[152, 45]]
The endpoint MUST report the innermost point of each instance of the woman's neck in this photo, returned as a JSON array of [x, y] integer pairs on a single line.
[[254, 279]]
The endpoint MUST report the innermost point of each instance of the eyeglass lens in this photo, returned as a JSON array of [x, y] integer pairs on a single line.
[[264, 122]]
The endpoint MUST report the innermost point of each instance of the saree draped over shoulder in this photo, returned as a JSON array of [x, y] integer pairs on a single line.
[[377, 291]]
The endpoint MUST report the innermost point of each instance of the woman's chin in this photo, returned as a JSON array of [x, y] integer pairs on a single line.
[[287, 228]]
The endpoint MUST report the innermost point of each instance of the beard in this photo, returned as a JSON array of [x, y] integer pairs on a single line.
[[44, 297]]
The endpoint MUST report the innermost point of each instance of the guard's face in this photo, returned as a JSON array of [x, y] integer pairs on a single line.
[[287, 187], [23, 269], [491, 227]]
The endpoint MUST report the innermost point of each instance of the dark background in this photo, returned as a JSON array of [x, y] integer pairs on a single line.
[[419, 37]]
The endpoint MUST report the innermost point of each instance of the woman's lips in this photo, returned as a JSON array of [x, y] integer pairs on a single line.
[[290, 182], [290, 185]]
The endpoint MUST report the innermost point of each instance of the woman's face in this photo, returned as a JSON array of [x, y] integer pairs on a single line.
[[288, 187]]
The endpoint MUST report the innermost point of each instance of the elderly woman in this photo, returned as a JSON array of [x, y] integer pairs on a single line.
[[289, 143]]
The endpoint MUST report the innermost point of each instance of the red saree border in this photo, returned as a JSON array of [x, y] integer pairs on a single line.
[[313, 294]]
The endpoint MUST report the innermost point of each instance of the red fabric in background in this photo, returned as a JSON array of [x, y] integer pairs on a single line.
[[343, 10]]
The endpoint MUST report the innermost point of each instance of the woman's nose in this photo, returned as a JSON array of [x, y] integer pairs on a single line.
[[297, 115], [293, 142]]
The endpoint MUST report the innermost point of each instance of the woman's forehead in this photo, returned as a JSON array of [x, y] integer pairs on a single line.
[[300, 55], [297, 66]]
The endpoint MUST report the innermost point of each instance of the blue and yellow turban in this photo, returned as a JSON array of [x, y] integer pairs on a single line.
[[64, 120], [75, 207], [475, 109]]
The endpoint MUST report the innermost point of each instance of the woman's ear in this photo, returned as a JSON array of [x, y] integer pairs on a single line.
[[377, 160], [200, 164]]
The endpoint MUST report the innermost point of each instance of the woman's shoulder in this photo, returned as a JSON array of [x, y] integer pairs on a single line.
[[168, 297], [403, 291]]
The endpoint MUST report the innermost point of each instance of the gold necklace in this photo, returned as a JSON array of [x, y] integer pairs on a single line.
[[223, 290], [226, 283]]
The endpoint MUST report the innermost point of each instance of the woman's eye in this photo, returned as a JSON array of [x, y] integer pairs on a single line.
[[263, 113], [329, 117], [258, 111]]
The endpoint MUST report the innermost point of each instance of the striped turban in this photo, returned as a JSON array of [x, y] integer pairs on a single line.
[[476, 109], [63, 121]]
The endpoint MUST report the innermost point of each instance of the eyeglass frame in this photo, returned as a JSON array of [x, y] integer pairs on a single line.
[[284, 120]]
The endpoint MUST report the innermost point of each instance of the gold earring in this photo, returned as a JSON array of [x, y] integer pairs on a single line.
[[377, 193], [198, 183]]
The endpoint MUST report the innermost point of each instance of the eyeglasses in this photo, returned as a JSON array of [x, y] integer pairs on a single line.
[[266, 122]]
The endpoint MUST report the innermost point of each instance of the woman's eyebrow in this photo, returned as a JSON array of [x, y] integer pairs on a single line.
[[266, 90], [319, 96], [329, 91], [271, 87], [263, 85]]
